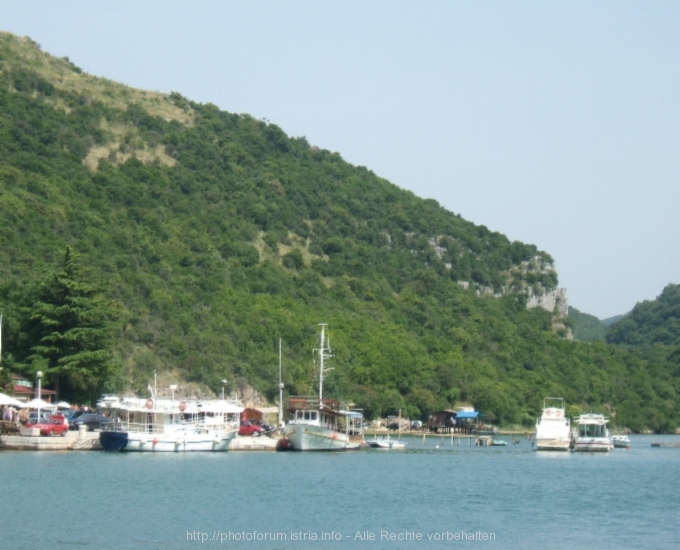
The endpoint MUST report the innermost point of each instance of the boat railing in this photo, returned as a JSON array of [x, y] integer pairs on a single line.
[[312, 403], [119, 425]]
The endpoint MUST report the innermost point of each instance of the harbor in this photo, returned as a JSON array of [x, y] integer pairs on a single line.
[[498, 488]]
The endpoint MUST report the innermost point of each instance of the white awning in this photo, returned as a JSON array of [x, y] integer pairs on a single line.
[[10, 401], [39, 404]]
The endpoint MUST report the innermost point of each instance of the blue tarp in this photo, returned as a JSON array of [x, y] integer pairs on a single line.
[[467, 414]]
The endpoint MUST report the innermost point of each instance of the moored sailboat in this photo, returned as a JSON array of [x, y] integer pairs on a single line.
[[321, 424]]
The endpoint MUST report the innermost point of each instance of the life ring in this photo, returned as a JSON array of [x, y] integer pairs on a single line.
[[558, 414], [548, 413], [182, 406], [149, 403]]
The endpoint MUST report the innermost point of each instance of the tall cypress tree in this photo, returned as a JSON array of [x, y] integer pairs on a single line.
[[73, 325]]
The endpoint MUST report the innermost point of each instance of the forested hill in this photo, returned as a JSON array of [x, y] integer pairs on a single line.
[[650, 322], [211, 235]]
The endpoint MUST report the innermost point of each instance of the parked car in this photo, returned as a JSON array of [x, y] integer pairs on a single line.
[[72, 415], [393, 426], [53, 424], [416, 424], [33, 417], [268, 428], [93, 421], [248, 428]]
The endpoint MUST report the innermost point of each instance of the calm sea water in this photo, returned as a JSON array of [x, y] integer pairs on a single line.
[[516, 497]]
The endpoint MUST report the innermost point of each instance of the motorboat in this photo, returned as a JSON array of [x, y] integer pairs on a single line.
[[319, 423], [620, 441], [168, 425], [592, 434], [386, 443], [499, 443], [553, 429]]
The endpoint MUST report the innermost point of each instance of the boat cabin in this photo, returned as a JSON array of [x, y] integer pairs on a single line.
[[325, 414]]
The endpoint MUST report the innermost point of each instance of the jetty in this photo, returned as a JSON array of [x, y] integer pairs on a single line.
[[80, 440], [89, 441]]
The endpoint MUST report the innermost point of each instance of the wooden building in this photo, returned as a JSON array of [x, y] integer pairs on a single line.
[[442, 421]]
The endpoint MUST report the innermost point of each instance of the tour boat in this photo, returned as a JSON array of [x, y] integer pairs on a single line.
[[592, 434], [553, 429], [168, 425], [320, 424], [621, 441]]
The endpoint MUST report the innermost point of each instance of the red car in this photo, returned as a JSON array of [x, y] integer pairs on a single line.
[[55, 424], [248, 428]]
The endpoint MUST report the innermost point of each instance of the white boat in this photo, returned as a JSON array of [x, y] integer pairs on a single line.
[[168, 425], [385, 443], [320, 424], [621, 441], [592, 434], [553, 429]]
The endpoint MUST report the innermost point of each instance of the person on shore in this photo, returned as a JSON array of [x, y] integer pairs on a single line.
[[282, 428]]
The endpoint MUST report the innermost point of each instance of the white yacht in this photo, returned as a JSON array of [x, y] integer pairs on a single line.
[[553, 429], [320, 424], [621, 441], [168, 425], [592, 434]]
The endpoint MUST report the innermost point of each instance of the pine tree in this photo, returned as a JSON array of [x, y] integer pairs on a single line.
[[73, 325]]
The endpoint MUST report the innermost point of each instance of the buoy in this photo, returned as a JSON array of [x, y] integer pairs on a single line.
[[155, 441], [436, 446]]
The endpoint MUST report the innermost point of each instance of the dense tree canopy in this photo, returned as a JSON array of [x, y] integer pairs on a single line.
[[218, 234]]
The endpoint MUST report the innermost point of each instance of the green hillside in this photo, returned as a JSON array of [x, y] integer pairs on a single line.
[[210, 235], [652, 330], [586, 327], [650, 322]]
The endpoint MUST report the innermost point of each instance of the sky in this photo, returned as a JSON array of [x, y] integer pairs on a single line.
[[554, 123]]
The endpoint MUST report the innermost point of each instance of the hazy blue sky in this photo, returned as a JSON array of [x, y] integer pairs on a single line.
[[555, 123]]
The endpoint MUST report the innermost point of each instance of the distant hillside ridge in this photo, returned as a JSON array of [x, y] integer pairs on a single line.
[[650, 322], [213, 234], [586, 327]]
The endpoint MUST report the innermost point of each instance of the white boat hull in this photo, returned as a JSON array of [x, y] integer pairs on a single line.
[[593, 445], [555, 444], [620, 443], [553, 429], [307, 437], [386, 444], [178, 442]]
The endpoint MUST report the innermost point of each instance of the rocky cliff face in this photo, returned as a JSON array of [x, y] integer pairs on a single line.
[[554, 301]]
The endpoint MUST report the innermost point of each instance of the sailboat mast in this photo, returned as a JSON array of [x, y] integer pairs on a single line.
[[321, 356], [324, 351], [280, 387]]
